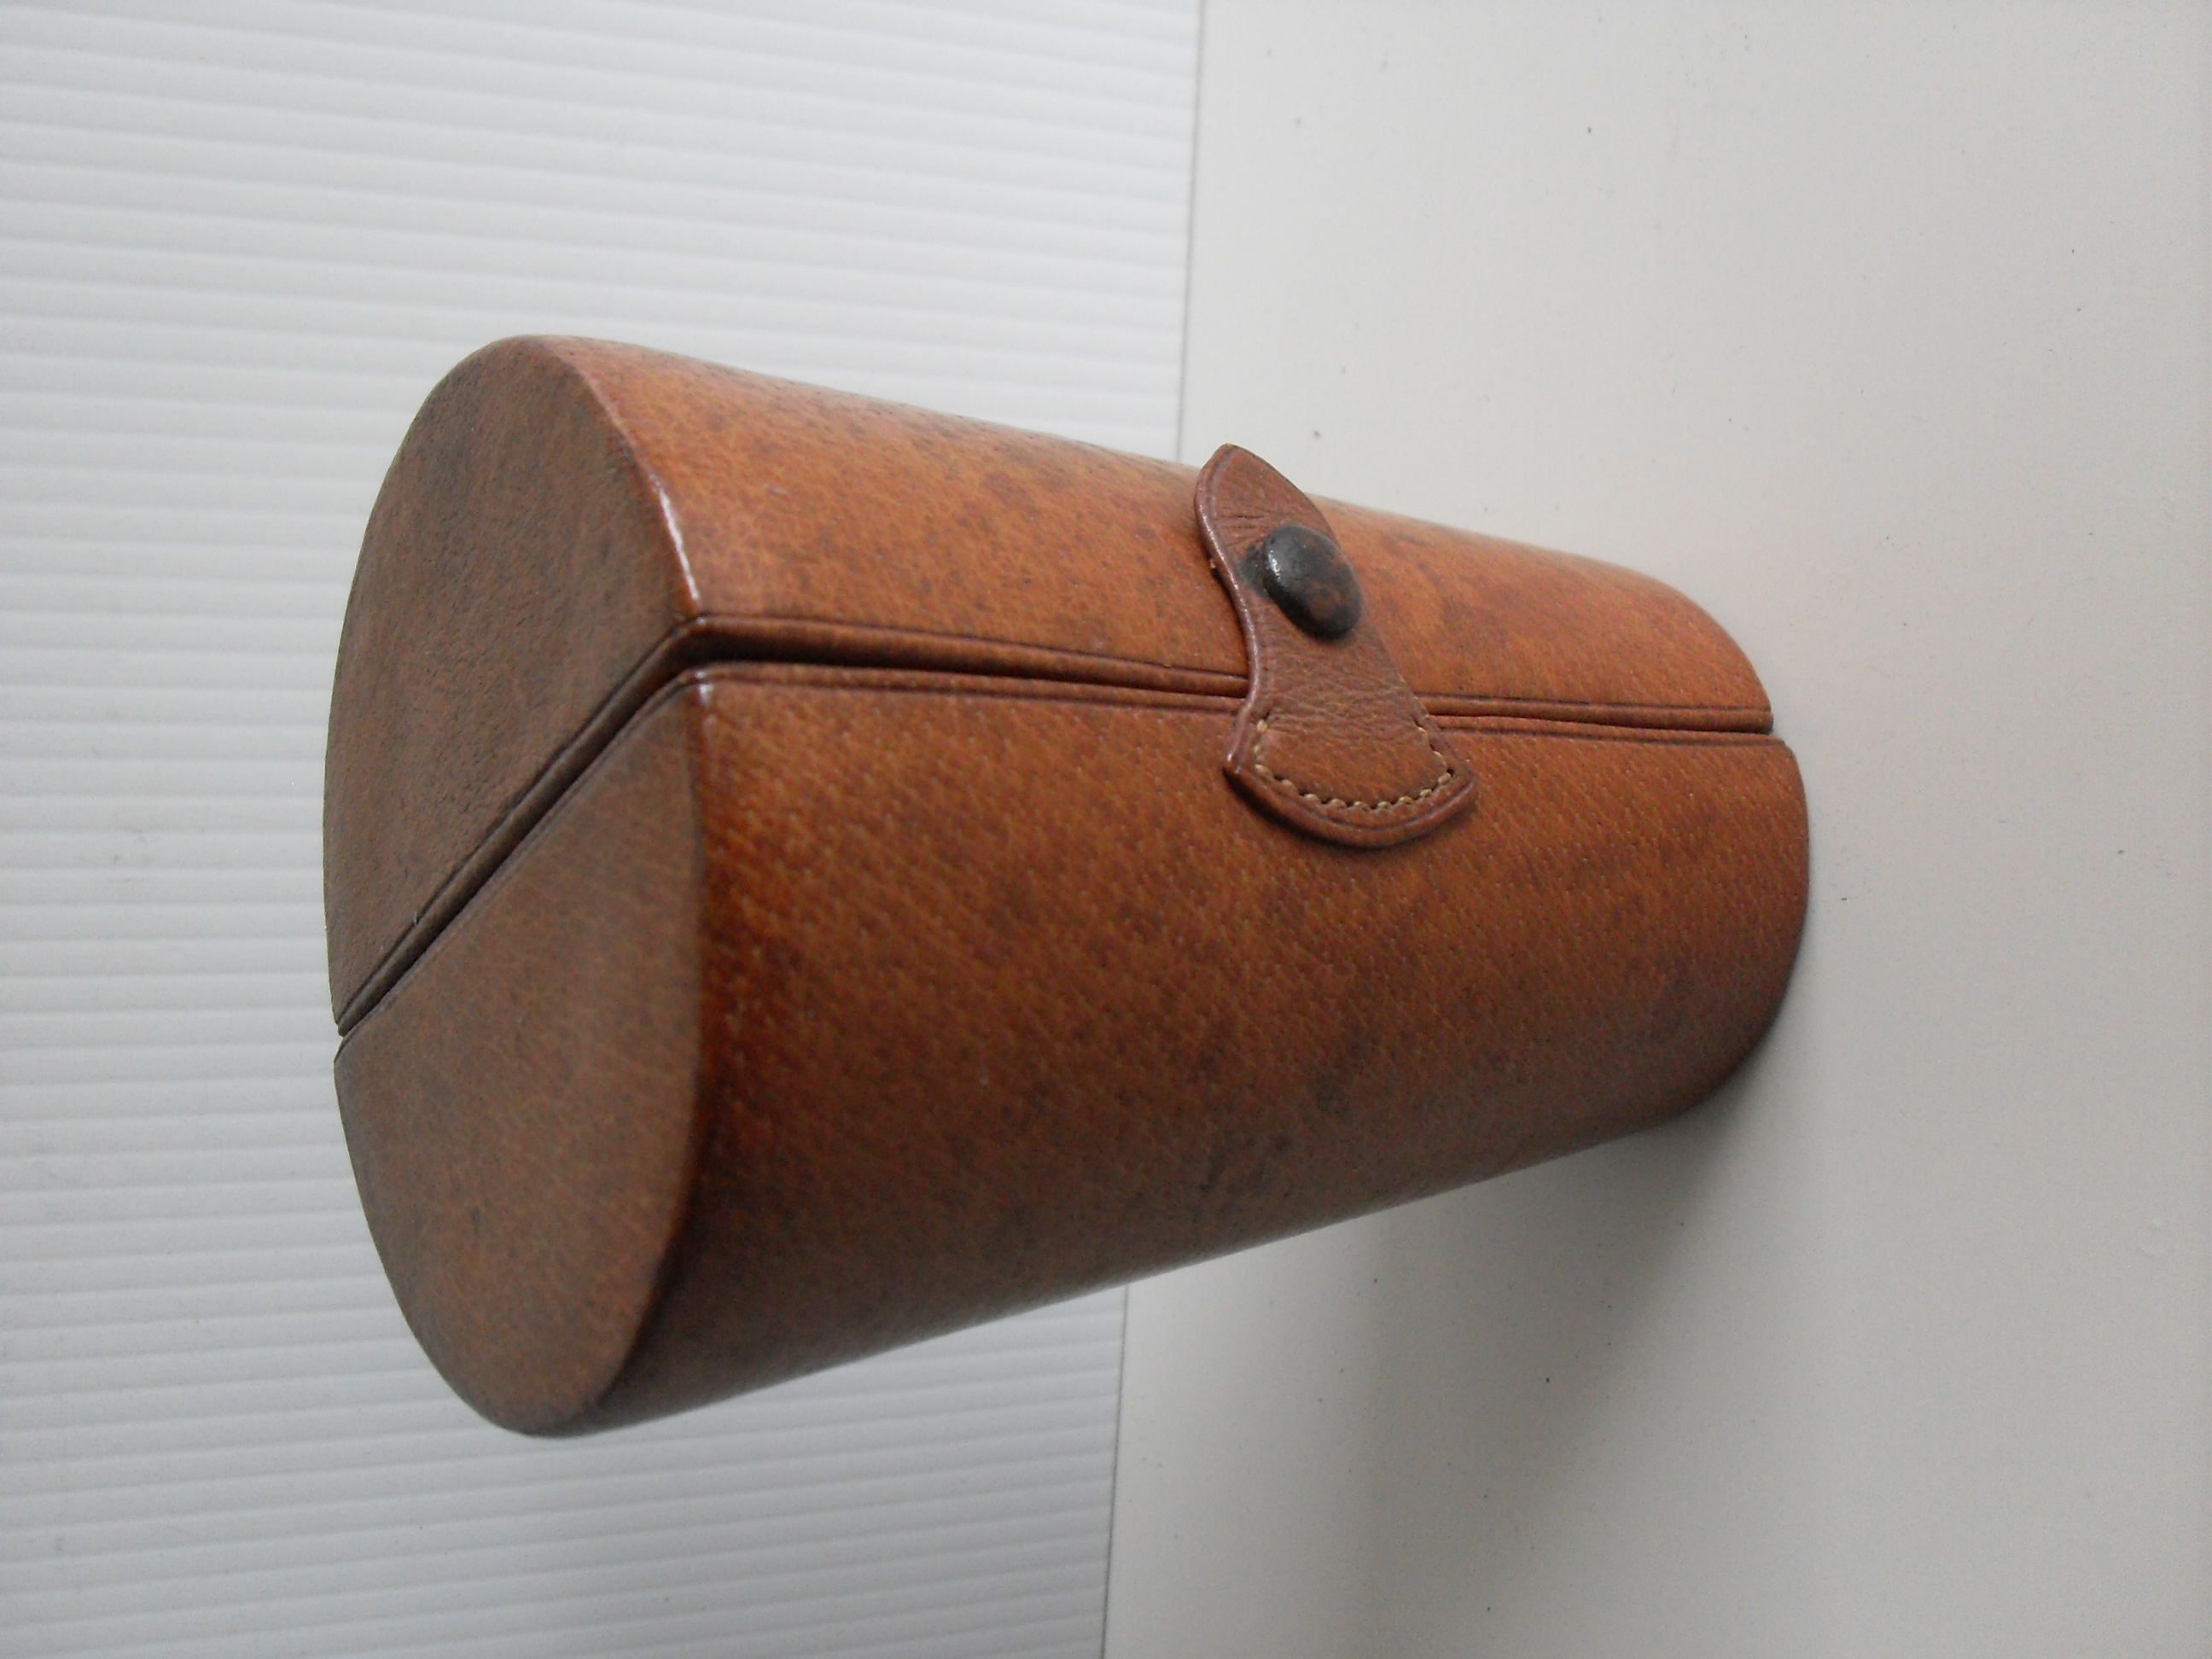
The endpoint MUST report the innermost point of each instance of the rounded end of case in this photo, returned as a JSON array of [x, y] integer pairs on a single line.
[[522, 1109]]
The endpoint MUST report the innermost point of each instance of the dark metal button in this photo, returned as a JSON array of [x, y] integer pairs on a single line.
[[1307, 575]]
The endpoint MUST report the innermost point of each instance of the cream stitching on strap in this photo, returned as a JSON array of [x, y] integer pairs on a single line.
[[1443, 777]]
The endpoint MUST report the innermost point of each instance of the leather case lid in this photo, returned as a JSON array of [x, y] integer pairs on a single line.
[[570, 524]]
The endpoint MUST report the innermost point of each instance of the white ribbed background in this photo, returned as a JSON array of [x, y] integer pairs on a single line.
[[238, 243]]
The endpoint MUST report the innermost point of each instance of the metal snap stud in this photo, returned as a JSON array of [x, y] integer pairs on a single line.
[[1308, 576]]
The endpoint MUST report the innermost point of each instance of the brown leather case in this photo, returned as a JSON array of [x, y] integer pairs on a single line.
[[804, 874]]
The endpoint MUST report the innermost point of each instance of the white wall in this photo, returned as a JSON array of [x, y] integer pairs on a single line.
[[1881, 330], [240, 239]]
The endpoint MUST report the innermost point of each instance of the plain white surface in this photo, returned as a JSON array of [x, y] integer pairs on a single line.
[[1880, 331], [239, 242]]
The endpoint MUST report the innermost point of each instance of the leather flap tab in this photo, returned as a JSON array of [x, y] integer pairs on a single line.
[[1330, 739]]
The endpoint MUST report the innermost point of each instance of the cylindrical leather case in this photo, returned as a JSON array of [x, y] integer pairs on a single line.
[[804, 874]]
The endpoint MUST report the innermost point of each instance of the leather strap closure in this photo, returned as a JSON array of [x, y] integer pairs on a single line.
[[1330, 739]]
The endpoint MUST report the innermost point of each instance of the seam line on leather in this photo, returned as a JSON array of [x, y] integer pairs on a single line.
[[692, 643], [1260, 736]]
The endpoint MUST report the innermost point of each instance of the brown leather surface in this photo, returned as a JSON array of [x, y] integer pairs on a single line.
[[1330, 738], [570, 523], [514, 571], [961, 993], [785, 900], [523, 1118]]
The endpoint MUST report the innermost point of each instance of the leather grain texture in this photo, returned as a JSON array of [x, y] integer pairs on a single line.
[[786, 899], [1330, 739], [570, 523], [1059, 1038]]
